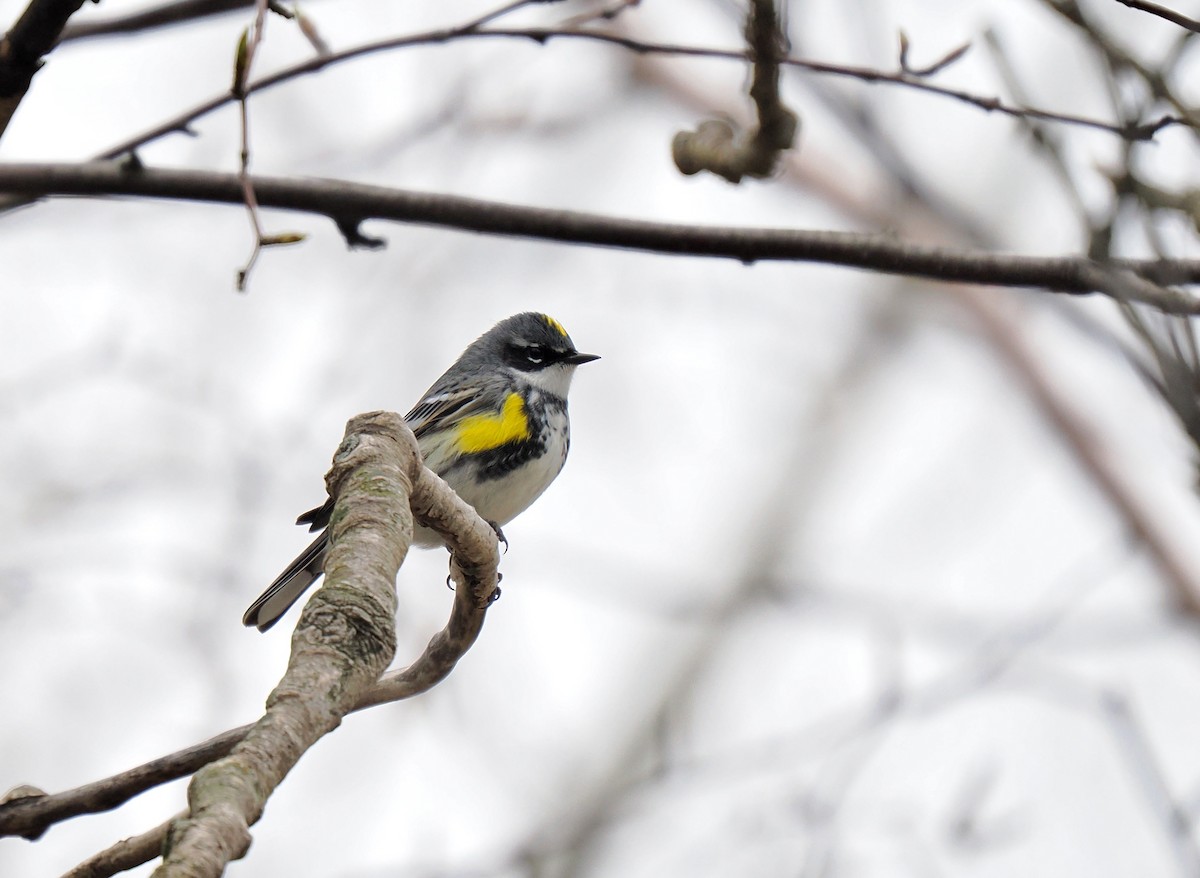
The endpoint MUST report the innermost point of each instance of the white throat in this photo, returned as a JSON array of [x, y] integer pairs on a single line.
[[554, 380]]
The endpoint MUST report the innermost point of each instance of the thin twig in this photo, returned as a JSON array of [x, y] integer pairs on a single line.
[[1163, 12], [247, 49], [1119, 59], [182, 123], [929, 69], [128, 853]]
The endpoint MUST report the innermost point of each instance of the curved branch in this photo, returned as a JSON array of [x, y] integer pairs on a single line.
[[539, 36], [346, 635], [473, 543], [717, 145], [348, 204], [344, 640]]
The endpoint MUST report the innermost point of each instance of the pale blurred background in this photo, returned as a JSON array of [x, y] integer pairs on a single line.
[[821, 590]]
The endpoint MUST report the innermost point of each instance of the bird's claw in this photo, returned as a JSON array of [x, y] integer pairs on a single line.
[[500, 535]]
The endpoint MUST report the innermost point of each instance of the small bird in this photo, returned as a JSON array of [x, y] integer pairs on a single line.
[[494, 426]]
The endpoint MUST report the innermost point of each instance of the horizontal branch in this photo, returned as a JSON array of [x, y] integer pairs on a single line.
[[349, 204]]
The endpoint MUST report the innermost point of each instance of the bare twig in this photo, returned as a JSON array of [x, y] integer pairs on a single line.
[[126, 854], [182, 123], [354, 202], [246, 50], [1119, 59], [1163, 12], [929, 69], [473, 29], [716, 145], [1173, 366], [609, 13], [247, 47]]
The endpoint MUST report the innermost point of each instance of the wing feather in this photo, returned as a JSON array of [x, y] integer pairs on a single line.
[[438, 410]]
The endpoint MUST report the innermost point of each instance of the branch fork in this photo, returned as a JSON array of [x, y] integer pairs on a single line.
[[345, 638]]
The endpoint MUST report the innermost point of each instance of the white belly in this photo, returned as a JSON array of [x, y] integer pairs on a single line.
[[501, 500]]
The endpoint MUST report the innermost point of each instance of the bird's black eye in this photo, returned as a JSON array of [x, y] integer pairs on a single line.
[[529, 357]]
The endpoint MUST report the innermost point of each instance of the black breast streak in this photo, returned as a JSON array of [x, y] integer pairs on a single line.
[[497, 463]]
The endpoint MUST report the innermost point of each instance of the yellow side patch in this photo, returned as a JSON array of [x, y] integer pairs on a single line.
[[485, 432], [554, 324]]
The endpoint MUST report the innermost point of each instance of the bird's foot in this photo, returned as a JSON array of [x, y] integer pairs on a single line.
[[500, 535]]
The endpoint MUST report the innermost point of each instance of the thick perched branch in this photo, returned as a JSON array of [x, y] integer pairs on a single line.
[[473, 543], [22, 48], [343, 642], [474, 559], [341, 200]]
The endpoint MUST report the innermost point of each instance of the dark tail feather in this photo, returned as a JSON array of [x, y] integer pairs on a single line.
[[287, 587]]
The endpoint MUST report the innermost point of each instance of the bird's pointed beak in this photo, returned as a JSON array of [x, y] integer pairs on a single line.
[[576, 358]]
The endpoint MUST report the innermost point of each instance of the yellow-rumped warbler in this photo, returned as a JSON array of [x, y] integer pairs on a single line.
[[494, 426]]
